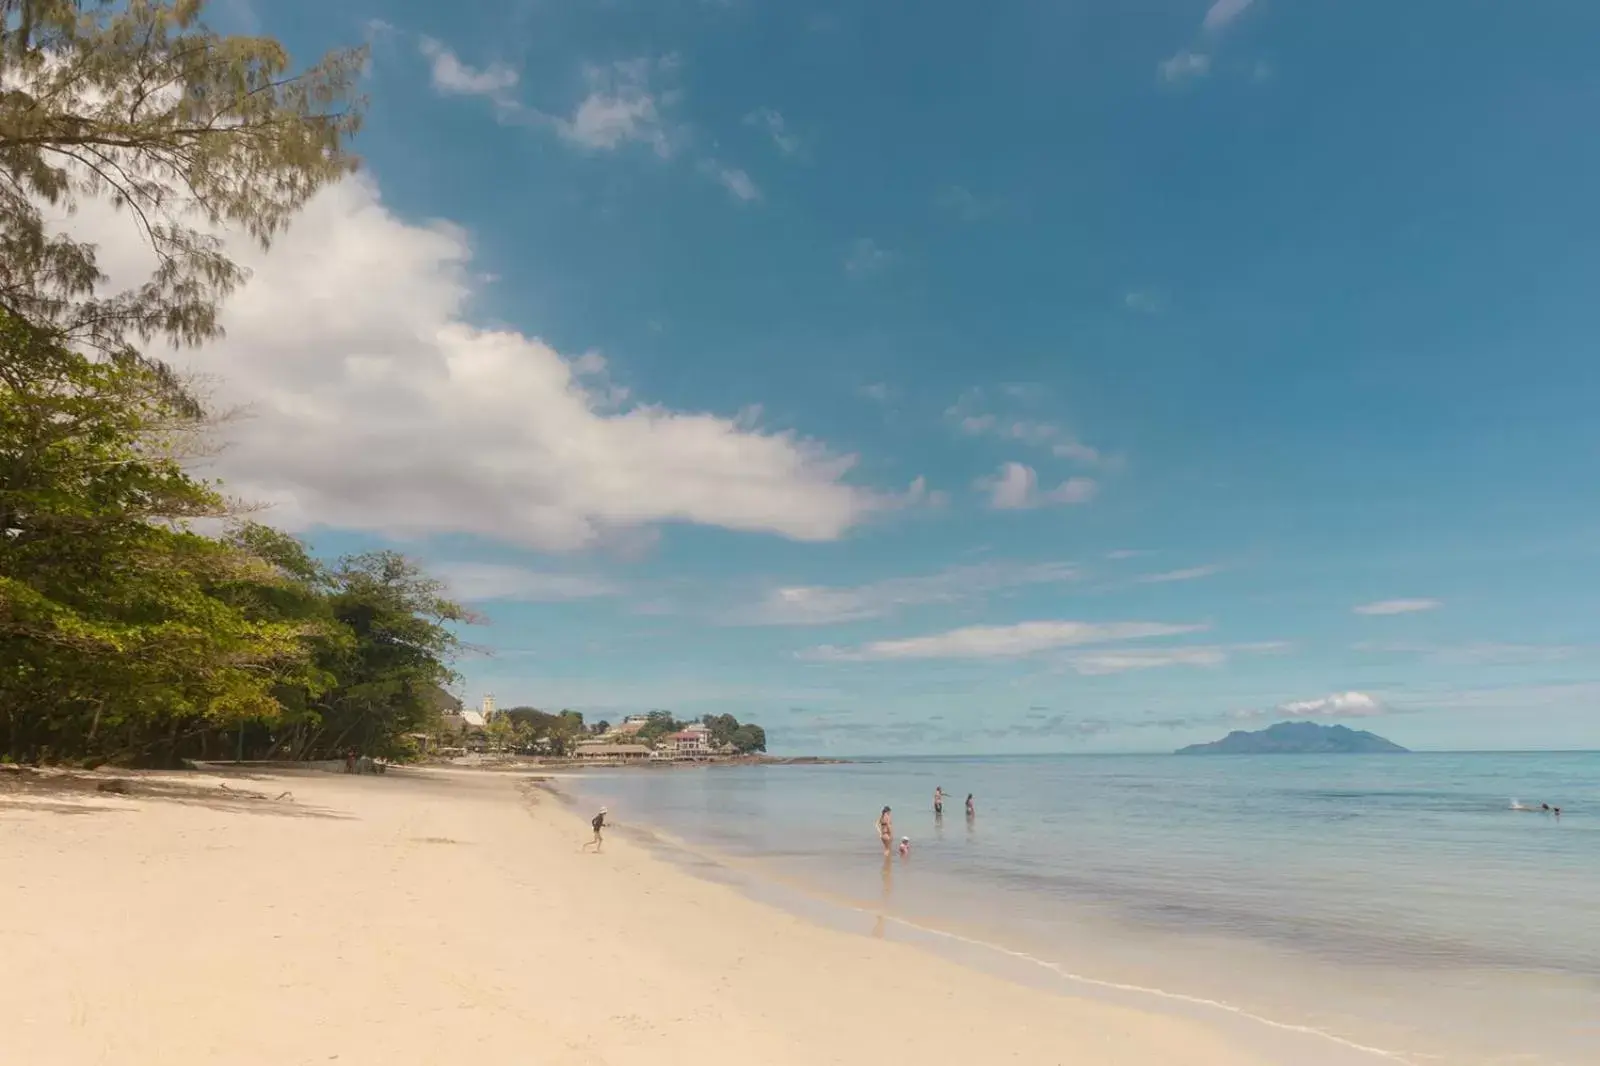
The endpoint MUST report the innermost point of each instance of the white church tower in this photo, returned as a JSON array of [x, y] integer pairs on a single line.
[[488, 706]]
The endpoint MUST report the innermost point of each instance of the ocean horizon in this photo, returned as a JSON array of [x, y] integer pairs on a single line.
[[1394, 908]]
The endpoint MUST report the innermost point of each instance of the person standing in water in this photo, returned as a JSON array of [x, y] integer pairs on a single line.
[[971, 810], [938, 800], [886, 831]]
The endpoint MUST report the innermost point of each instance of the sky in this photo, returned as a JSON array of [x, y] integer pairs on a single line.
[[940, 377]]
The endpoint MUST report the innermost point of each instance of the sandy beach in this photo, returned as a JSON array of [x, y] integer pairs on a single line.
[[437, 917]]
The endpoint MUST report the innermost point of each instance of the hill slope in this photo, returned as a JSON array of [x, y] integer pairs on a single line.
[[1297, 738]]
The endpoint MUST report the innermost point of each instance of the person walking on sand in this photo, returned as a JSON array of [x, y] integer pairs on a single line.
[[938, 800], [886, 831], [598, 823]]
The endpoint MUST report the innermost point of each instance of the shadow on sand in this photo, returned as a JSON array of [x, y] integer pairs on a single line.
[[74, 792]]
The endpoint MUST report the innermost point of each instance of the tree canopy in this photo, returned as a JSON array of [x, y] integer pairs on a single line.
[[139, 104], [125, 634]]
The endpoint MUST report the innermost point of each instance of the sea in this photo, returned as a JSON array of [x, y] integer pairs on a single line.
[[1329, 910]]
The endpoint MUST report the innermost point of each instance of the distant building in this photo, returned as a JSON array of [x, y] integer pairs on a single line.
[[691, 744], [629, 728], [487, 709], [610, 752]]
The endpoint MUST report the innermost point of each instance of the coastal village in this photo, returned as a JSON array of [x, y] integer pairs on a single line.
[[655, 738]]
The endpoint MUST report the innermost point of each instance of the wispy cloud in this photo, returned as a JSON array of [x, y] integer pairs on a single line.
[[999, 642], [477, 582], [1122, 660], [804, 605], [1193, 573], [1127, 553], [1184, 66], [1223, 12], [736, 181], [973, 416], [1195, 61], [877, 390], [967, 205], [1015, 487], [1144, 301], [866, 257], [1478, 654], [623, 106], [453, 77], [1388, 607], [776, 128]]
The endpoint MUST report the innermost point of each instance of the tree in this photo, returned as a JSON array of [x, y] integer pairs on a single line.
[[657, 725], [601, 728], [748, 739], [139, 104], [114, 639]]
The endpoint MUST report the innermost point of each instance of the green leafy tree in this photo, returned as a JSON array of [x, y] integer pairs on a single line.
[[748, 739], [114, 639], [138, 104], [657, 725]]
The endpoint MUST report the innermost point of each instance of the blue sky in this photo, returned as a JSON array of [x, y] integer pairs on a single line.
[[949, 377]]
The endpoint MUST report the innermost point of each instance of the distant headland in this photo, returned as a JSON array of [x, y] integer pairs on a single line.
[[1298, 738]]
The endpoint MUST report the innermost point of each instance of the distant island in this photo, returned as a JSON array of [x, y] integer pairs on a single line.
[[1298, 738]]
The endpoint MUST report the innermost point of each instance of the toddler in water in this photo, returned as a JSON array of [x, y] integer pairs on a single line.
[[905, 846]]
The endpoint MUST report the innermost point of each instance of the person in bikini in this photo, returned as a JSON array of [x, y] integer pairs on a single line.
[[938, 801], [886, 830]]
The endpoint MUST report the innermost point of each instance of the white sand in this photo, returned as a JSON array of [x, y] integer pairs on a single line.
[[438, 917]]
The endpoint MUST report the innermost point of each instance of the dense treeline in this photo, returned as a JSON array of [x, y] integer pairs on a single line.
[[128, 632], [124, 634]]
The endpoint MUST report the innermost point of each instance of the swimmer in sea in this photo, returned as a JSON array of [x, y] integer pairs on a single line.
[[886, 830], [971, 810], [938, 801], [905, 846]]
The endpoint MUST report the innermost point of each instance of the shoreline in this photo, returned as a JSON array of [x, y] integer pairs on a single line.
[[434, 916]]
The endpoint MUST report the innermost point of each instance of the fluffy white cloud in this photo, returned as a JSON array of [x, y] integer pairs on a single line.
[[453, 77], [477, 582], [1015, 487], [1337, 705], [824, 604], [1193, 573], [1223, 12], [1386, 607], [369, 402], [999, 642]]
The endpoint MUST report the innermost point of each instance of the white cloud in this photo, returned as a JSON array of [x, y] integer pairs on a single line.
[[1192, 573], [1337, 705], [476, 582], [453, 77], [371, 403], [622, 106], [1223, 12], [866, 257], [773, 123], [999, 642], [736, 181], [1127, 553], [1015, 487], [824, 604], [1387, 607], [1185, 65], [877, 390]]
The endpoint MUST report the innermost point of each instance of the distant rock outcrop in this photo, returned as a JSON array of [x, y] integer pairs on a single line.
[[1298, 738]]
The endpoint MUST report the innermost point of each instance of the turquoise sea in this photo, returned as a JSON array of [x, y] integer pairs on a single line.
[[1336, 908]]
